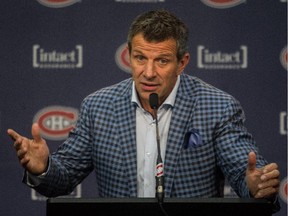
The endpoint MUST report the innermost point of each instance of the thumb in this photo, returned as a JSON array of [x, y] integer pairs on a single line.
[[251, 161], [36, 132]]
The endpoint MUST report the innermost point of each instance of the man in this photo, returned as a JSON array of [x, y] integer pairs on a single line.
[[202, 136]]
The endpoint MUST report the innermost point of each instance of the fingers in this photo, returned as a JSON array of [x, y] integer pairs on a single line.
[[35, 131], [274, 183], [13, 134], [268, 189], [266, 193], [17, 138], [251, 161], [270, 167], [21, 154], [270, 171], [270, 182], [270, 176], [21, 145]]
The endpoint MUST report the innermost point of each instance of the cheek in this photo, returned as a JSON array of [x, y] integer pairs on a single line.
[[169, 81], [135, 72]]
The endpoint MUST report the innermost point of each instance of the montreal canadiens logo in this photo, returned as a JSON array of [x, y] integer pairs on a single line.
[[284, 58], [57, 3], [222, 4], [283, 190], [122, 58], [159, 169], [55, 122]]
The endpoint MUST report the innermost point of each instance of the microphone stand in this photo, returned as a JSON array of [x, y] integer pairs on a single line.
[[159, 166], [159, 163], [153, 100]]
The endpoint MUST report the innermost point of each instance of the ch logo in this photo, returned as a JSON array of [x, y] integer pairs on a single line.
[[56, 122]]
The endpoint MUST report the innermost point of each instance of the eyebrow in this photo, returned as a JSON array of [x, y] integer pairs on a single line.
[[160, 55]]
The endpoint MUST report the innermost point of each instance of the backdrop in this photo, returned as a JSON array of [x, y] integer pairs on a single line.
[[55, 52]]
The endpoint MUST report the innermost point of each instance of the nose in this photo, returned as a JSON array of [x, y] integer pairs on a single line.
[[149, 70]]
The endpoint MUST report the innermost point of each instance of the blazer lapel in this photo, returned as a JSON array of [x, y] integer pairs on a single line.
[[182, 110], [126, 123]]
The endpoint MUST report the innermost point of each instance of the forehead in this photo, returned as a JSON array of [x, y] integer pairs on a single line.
[[139, 43]]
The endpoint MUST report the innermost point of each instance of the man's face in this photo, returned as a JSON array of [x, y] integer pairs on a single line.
[[155, 68]]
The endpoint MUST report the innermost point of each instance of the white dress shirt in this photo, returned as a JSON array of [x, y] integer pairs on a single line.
[[146, 141]]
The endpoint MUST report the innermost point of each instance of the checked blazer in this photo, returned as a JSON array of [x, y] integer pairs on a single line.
[[104, 140]]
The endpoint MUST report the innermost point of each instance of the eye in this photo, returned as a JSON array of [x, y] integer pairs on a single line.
[[163, 61], [139, 58]]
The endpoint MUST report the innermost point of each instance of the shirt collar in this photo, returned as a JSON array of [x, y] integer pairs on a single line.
[[170, 100]]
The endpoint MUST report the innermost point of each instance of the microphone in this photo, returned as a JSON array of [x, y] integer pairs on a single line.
[[153, 100]]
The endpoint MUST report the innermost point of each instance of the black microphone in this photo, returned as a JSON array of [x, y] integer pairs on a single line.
[[153, 100]]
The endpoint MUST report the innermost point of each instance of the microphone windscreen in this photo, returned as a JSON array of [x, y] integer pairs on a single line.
[[153, 100]]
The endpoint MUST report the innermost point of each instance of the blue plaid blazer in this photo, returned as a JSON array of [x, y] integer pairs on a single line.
[[104, 140]]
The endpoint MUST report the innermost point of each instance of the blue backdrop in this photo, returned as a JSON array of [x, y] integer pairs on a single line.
[[55, 52]]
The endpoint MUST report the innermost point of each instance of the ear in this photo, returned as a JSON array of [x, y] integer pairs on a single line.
[[126, 49], [183, 63]]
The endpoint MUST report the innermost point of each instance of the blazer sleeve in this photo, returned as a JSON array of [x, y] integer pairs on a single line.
[[233, 144], [70, 164]]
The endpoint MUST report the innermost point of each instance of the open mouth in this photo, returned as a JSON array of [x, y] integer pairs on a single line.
[[149, 86]]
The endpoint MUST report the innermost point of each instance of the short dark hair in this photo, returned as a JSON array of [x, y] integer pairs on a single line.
[[158, 26]]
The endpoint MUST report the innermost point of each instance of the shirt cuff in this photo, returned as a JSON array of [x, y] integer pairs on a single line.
[[35, 180]]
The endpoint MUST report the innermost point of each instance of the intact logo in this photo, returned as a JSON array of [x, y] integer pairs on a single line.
[[283, 123], [222, 4], [55, 122], [58, 3], [284, 58], [217, 59], [54, 59], [283, 190], [122, 58]]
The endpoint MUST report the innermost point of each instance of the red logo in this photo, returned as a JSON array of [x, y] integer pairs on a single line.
[[284, 58], [159, 170], [122, 58], [55, 122], [57, 3], [222, 4]]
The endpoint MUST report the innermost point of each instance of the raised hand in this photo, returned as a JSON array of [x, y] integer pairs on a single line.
[[263, 182], [33, 153]]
